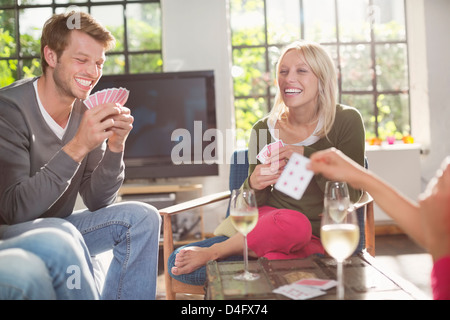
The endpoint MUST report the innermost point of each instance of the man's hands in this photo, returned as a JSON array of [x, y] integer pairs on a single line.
[[106, 121], [122, 125]]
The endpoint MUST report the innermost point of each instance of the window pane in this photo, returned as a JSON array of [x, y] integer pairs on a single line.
[[31, 68], [393, 115], [320, 20], [247, 112], [7, 34], [7, 2], [64, 10], [68, 1], [247, 25], [391, 67], [31, 23], [287, 12], [112, 18], [389, 19], [253, 78], [356, 68], [39, 2], [147, 62], [274, 55], [114, 64], [354, 24], [144, 26], [364, 103], [332, 51], [8, 72]]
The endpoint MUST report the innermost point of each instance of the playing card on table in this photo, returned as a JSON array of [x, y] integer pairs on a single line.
[[115, 95], [295, 177], [322, 284], [298, 292], [265, 152]]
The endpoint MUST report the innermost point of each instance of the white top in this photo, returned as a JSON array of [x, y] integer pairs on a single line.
[[313, 138], [56, 128]]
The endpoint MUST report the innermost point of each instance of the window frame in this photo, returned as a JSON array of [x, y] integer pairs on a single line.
[[20, 58], [375, 92]]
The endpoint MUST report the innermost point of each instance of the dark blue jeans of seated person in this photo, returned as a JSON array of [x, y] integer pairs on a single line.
[[197, 277]]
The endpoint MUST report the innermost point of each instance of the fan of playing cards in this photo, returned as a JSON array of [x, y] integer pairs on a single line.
[[115, 95]]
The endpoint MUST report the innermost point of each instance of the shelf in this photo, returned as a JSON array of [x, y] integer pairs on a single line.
[[158, 188], [130, 189]]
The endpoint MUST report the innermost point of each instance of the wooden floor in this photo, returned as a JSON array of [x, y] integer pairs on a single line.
[[397, 253], [402, 256]]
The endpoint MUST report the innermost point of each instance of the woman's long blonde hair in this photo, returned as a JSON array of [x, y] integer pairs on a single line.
[[323, 68]]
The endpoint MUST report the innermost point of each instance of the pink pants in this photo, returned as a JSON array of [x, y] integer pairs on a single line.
[[283, 234]]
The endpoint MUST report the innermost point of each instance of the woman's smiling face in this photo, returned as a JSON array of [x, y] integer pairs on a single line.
[[298, 85]]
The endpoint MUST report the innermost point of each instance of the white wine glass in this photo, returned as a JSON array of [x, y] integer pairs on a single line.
[[339, 230], [244, 216]]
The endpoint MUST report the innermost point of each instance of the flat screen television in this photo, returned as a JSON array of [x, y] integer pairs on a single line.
[[171, 113]]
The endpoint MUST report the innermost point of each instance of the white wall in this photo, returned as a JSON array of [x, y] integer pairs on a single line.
[[437, 26], [399, 165], [196, 37]]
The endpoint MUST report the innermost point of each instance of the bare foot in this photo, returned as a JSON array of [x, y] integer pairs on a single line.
[[190, 259]]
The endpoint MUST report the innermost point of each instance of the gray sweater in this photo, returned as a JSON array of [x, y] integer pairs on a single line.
[[37, 178]]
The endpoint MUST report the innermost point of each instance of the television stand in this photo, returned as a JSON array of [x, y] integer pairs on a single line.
[[128, 190], [158, 188]]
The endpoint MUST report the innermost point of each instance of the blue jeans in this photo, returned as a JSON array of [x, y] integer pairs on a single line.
[[40, 261], [197, 277], [131, 230]]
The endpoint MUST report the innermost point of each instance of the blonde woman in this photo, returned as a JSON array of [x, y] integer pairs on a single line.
[[306, 118]]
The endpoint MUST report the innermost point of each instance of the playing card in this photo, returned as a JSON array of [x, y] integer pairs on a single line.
[[321, 284], [108, 95], [87, 103], [115, 95], [93, 100], [120, 95], [298, 292], [265, 152], [100, 95], [295, 177], [124, 97]]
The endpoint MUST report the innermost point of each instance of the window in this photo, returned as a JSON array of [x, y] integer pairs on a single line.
[[366, 38], [136, 25]]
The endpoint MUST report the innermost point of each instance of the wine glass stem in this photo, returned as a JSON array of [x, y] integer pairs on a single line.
[[245, 255], [340, 276]]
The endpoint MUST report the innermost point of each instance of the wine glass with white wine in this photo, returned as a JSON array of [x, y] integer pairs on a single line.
[[244, 216], [339, 230]]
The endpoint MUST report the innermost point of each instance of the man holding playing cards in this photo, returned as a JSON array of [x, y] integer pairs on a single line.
[[54, 148]]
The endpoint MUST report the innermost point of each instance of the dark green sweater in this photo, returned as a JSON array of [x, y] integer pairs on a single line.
[[347, 134]]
